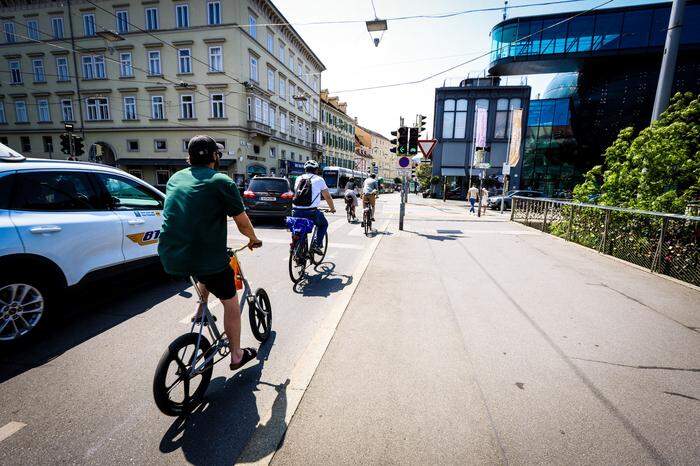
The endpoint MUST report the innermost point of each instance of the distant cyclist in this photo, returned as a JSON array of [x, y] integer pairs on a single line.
[[193, 238], [350, 195], [369, 192], [308, 190]]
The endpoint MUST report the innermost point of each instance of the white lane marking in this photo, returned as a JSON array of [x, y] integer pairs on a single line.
[[306, 365], [10, 428]]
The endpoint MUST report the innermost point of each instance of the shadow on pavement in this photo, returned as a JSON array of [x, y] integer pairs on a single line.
[[324, 283], [85, 313], [219, 429], [447, 237]]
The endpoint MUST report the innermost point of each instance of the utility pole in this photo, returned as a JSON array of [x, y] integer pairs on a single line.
[[75, 69], [668, 64]]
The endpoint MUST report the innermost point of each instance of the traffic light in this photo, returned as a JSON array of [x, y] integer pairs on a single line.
[[413, 141], [78, 146], [420, 123], [65, 143], [394, 142], [403, 141]]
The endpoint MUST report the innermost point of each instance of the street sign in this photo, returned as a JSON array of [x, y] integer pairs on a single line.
[[404, 172], [426, 146], [506, 169], [404, 162]]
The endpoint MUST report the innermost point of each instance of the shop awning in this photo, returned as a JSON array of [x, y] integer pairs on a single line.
[[447, 171]]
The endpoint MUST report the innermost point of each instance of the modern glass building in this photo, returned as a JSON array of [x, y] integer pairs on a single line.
[[611, 61]]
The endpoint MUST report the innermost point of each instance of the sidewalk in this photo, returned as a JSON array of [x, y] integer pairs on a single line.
[[480, 341]]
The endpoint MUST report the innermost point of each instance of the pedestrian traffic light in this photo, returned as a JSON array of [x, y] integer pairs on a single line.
[[403, 141], [413, 141], [65, 143], [394, 142], [78, 146], [420, 123]]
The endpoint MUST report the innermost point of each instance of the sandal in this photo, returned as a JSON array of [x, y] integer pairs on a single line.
[[248, 355]]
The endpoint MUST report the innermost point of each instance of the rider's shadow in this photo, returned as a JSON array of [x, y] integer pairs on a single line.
[[324, 282], [217, 431]]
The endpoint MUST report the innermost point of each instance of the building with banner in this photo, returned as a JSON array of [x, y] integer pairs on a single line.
[[479, 126], [609, 61], [383, 161], [150, 75]]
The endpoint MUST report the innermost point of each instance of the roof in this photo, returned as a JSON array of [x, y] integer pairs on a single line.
[[373, 133], [34, 164]]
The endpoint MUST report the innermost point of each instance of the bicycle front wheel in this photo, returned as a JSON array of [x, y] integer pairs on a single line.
[[318, 258], [260, 316], [297, 260], [175, 390]]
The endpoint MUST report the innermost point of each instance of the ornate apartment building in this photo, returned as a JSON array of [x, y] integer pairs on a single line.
[[338, 132], [138, 78], [379, 150]]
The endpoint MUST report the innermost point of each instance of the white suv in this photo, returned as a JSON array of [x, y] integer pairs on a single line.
[[67, 223]]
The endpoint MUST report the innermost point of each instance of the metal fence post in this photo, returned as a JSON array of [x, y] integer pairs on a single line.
[[527, 212], [603, 244], [571, 223], [659, 247], [513, 205], [546, 210]]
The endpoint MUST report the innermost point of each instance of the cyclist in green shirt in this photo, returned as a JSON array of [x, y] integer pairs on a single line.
[[193, 239]]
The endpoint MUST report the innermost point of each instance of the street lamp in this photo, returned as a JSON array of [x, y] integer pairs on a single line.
[[376, 28]]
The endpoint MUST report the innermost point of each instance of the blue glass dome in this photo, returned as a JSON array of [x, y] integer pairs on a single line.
[[561, 86]]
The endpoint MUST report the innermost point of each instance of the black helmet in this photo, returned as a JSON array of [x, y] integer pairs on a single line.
[[202, 149]]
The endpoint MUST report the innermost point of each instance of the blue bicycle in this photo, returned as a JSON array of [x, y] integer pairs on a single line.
[[300, 253]]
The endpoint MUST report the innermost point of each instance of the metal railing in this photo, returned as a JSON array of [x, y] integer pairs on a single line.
[[668, 244]]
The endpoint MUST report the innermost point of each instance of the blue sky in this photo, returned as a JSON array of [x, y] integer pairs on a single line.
[[409, 50]]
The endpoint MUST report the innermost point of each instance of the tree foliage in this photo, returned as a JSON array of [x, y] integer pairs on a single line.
[[657, 169]]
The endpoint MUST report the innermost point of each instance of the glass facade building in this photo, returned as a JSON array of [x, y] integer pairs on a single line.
[[609, 60]]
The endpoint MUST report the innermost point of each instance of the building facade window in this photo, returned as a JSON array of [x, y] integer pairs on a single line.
[[67, 110], [3, 116], [272, 118], [292, 91], [21, 112], [271, 80], [280, 51], [290, 59], [48, 144], [38, 69], [157, 107], [89, 24], [132, 145], [270, 42], [130, 108], [154, 68], [42, 110], [122, 21], [15, 72], [216, 59], [33, 29], [25, 143], [252, 26], [283, 122], [184, 61], [151, 19], [254, 69], [94, 67], [213, 13], [62, 69], [57, 27], [187, 107], [217, 106], [9, 28], [454, 119], [160, 145], [282, 87], [182, 16], [97, 109], [126, 68]]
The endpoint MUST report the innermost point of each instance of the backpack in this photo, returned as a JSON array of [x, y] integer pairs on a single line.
[[302, 194]]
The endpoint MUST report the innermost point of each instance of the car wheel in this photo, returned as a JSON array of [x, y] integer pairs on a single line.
[[24, 305]]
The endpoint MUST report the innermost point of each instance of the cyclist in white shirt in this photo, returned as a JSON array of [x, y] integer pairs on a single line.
[[369, 192], [308, 190]]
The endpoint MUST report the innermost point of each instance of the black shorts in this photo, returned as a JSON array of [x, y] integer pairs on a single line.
[[221, 284]]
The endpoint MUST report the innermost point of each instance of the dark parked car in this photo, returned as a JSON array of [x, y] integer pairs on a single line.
[[495, 202], [459, 194], [268, 197]]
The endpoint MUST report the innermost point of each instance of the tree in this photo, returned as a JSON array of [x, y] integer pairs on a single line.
[[657, 169], [397, 180], [424, 173]]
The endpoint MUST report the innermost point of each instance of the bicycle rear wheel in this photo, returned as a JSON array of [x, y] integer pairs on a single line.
[[174, 390], [260, 315], [297, 260], [318, 258], [367, 221]]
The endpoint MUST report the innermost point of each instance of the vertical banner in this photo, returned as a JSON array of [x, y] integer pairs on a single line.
[[481, 120], [516, 132]]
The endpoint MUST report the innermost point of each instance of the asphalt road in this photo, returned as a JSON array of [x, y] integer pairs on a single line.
[[82, 394]]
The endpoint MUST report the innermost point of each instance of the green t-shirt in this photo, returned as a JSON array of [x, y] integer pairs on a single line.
[[197, 203]]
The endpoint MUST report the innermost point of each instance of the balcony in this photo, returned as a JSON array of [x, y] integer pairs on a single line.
[[258, 128], [317, 147]]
